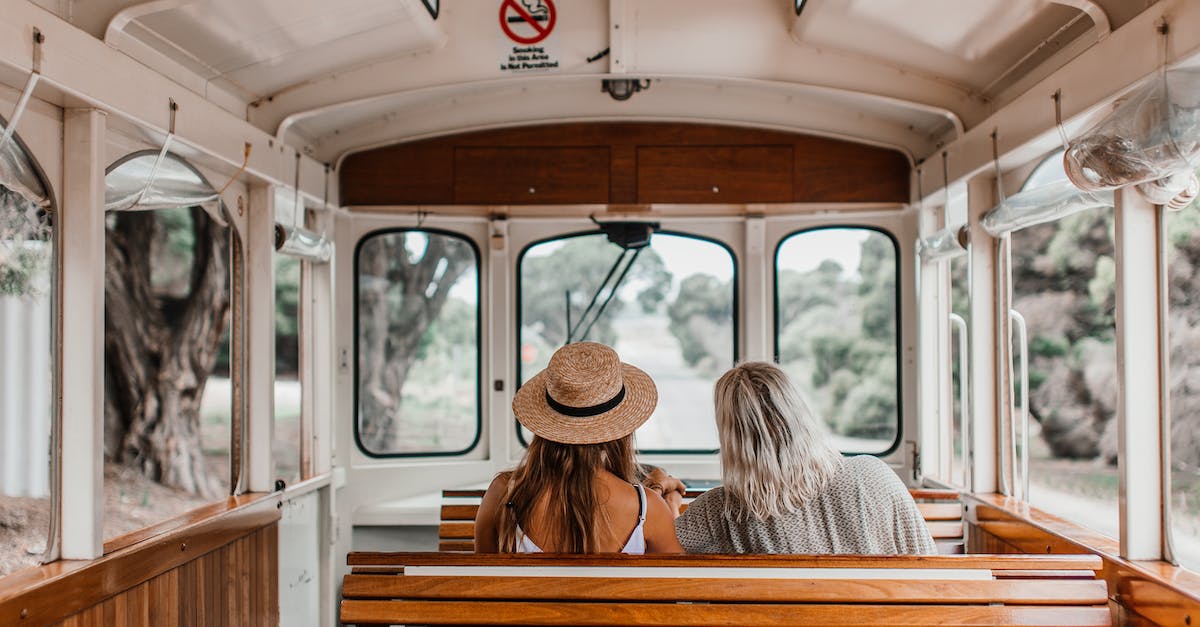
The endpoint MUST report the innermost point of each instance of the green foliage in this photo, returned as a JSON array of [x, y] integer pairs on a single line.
[[25, 247], [287, 315], [1042, 346], [578, 266], [703, 297]]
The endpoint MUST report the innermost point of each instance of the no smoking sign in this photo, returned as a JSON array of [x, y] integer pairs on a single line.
[[527, 21]]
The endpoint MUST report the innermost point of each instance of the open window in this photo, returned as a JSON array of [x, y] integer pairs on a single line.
[[27, 369]]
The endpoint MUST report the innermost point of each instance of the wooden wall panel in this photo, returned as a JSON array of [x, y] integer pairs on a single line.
[[714, 174], [531, 175], [623, 163], [237, 584]]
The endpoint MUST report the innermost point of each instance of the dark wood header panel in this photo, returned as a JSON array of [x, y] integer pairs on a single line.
[[624, 163]]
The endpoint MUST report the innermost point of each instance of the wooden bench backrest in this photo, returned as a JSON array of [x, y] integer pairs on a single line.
[[941, 508], [744, 590]]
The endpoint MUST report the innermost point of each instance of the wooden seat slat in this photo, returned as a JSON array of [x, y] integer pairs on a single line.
[[457, 531], [374, 612], [459, 512], [945, 529], [897, 591], [456, 546], [937, 511], [992, 562]]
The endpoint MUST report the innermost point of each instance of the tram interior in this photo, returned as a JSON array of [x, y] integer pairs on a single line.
[[272, 270]]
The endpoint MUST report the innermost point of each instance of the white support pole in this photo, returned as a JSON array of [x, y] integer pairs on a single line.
[[259, 288], [498, 422], [985, 409], [1139, 409], [318, 367], [932, 313], [81, 246], [758, 301]]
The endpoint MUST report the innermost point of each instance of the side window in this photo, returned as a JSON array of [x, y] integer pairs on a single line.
[[417, 321], [671, 315], [1183, 256], [286, 448], [26, 363], [836, 302], [1063, 283], [168, 400]]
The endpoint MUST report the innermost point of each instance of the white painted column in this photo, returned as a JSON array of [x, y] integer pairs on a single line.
[[81, 254], [318, 365], [259, 382], [1139, 346], [758, 301], [498, 419], [931, 316], [983, 379]]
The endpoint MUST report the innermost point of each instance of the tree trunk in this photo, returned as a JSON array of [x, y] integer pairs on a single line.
[[159, 351]]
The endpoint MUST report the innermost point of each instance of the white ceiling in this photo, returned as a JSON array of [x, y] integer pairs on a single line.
[[341, 75]]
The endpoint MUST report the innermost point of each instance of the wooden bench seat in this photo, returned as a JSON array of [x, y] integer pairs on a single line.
[[942, 510], [652, 590]]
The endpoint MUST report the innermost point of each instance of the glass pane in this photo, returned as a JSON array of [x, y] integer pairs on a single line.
[[836, 300], [959, 305], [285, 451], [1183, 241], [168, 399], [418, 343], [26, 380], [672, 316], [1063, 284]]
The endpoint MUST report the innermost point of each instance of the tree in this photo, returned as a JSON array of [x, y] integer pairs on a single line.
[[404, 282], [24, 246], [701, 307], [166, 304]]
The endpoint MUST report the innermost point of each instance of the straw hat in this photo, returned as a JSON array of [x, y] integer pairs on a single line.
[[585, 396]]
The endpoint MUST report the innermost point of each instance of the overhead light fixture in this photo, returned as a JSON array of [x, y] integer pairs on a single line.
[[623, 88], [434, 7], [799, 6]]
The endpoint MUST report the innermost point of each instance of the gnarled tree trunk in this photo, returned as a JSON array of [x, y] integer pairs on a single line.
[[160, 349]]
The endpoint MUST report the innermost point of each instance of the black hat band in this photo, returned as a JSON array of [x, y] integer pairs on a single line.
[[585, 412]]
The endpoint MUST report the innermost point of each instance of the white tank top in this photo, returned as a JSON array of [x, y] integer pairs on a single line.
[[635, 545]]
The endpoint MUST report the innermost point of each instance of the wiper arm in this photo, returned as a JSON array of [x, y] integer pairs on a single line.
[[599, 312]]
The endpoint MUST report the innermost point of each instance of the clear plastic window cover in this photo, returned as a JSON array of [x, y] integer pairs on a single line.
[[1151, 140], [303, 244], [19, 176], [1045, 203], [945, 244], [174, 185]]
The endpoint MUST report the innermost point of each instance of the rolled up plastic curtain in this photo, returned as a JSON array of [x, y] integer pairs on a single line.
[[1151, 141], [945, 244], [303, 244], [18, 174], [1045, 203], [134, 185]]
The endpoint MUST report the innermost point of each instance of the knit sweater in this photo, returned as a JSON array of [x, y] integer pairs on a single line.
[[864, 509]]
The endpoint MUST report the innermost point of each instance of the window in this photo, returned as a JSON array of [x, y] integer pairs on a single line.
[[960, 306], [836, 301], [1183, 250], [168, 394], [1063, 276], [26, 365], [285, 451], [671, 315], [418, 343]]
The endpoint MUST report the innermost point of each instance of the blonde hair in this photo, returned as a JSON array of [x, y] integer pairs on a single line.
[[564, 475], [775, 454]]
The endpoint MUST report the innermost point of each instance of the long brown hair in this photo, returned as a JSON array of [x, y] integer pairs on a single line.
[[564, 475]]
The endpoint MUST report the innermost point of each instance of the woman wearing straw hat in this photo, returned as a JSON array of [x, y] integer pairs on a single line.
[[574, 492], [786, 487]]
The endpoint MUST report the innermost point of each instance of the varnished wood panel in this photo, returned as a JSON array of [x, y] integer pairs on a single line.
[[701, 615], [188, 566], [714, 174], [642, 163], [531, 175]]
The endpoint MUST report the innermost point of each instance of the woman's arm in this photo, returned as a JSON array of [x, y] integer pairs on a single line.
[[487, 531], [660, 526]]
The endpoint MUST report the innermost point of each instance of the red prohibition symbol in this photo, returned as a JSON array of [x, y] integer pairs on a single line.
[[537, 16]]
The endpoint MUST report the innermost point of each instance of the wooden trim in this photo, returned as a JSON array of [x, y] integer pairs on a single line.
[[701, 615], [993, 562], [624, 163], [50, 593], [1153, 590], [899, 590]]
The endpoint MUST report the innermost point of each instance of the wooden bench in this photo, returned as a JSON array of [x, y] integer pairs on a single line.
[[942, 510], [748, 590]]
